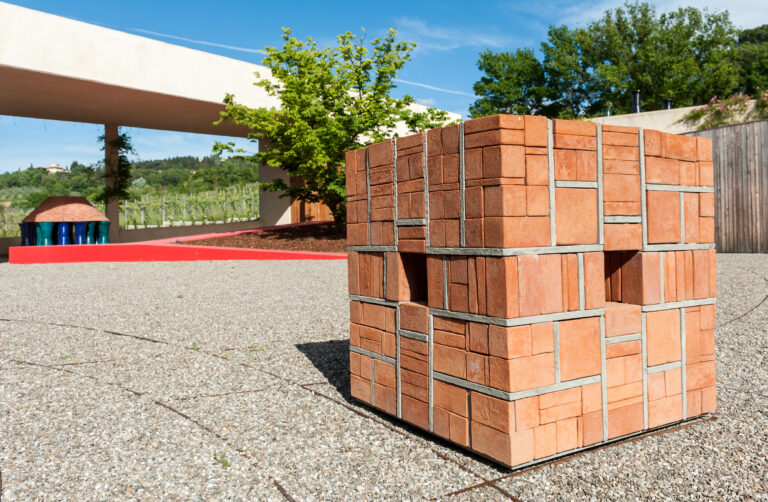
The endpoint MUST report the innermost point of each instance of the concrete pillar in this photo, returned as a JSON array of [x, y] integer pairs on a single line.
[[273, 210], [111, 159]]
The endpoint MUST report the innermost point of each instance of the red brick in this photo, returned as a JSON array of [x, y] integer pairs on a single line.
[[615, 166], [665, 411], [619, 139], [435, 297], [620, 152], [494, 137], [478, 368], [577, 127], [493, 412], [526, 413], [450, 361], [680, 147], [691, 214], [415, 412], [625, 420], [515, 232], [492, 122], [384, 373], [653, 143], [700, 375], [701, 274], [509, 449], [570, 282], [360, 389], [535, 131], [536, 170], [478, 337], [473, 233], [537, 201], [689, 173], [450, 397], [576, 215], [451, 168], [560, 412], [622, 349], [551, 284], [505, 200], [545, 440], [663, 217], [504, 161], [591, 398], [542, 338], [565, 164], [579, 348], [501, 286], [593, 428], [567, 436], [662, 171], [529, 285], [509, 342], [586, 166], [380, 154], [594, 275], [704, 149], [522, 373], [663, 336], [621, 188], [574, 142], [623, 236], [708, 399]]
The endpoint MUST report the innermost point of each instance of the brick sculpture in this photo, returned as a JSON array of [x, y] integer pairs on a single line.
[[526, 288]]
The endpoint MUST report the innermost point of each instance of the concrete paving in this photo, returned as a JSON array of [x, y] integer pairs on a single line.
[[228, 381]]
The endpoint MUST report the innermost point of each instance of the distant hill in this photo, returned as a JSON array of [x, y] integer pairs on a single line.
[[29, 187]]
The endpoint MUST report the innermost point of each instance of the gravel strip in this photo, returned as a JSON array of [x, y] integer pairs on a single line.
[[252, 364]]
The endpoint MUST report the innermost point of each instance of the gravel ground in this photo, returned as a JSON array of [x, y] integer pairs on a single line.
[[228, 381]]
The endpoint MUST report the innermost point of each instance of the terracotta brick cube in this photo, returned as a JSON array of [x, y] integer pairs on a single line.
[[526, 288]]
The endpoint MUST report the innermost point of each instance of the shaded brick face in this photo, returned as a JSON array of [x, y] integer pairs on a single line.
[[524, 287]]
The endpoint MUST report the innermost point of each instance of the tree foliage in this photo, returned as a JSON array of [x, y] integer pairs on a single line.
[[686, 55], [332, 99], [752, 58]]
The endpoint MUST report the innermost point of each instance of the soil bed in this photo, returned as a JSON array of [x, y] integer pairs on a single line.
[[323, 237]]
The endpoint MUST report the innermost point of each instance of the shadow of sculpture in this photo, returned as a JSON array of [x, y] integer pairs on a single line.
[[331, 358]]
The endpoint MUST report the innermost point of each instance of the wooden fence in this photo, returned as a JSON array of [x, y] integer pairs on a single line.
[[741, 186]]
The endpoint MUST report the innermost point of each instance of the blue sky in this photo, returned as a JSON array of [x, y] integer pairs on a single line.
[[443, 69]]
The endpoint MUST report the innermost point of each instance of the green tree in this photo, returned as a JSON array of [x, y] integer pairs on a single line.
[[686, 55], [332, 99], [514, 82], [752, 58]]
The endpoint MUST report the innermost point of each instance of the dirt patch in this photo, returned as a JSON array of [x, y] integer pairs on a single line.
[[323, 237]]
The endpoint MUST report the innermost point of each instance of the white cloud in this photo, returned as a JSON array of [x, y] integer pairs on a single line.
[[441, 38], [200, 42], [426, 101], [433, 88]]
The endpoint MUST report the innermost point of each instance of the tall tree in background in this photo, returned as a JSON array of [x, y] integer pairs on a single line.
[[752, 58], [513, 83], [332, 99], [685, 55]]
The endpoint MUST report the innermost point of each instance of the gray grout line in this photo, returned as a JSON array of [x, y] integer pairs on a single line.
[[575, 184], [677, 247], [412, 222], [370, 299], [623, 338], [462, 183], [683, 381], [518, 321], [677, 305], [551, 171], [600, 203], [514, 396], [413, 335], [373, 249], [373, 383], [582, 291], [557, 351], [663, 367], [643, 204], [679, 188], [623, 219], [682, 218], [384, 272], [374, 355], [603, 378], [585, 248], [661, 276], [425, 163], [368, 194], [445, 284], [431, 329], [394, 197], [644, 352], [397, 364]]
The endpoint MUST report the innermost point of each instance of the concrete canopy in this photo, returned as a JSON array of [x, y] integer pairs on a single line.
[[86, 73]]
